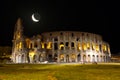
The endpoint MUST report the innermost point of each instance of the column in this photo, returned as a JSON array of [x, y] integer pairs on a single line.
[[81, 58], [76, 58], [58, 60], [64, 58]]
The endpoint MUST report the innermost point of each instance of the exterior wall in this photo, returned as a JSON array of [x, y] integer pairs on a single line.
[[67, 46], [59, 46], [19, 52], [78, 46]]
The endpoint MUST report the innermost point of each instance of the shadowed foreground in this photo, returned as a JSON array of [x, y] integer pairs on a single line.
[[59, 72]]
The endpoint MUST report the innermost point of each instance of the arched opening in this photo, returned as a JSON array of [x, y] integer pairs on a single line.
[[72, 45], [55, 46], [45, 45], [104, 60], [40, 58], [97, 58], [35, 58], [88, 58], [61, 46], [22, 58], [100, 58], [55, 57], [84, 58], [73, 57], [19, 58], [61, 57], [93, 58], [78, 57], [30, 45], [50, 58], [67, 58]]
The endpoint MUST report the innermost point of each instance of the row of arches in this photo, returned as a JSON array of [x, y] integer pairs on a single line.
[[71, 58], [82, 58], [61, 58]]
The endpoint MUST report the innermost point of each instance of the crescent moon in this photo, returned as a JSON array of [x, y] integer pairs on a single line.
[[34, 19]]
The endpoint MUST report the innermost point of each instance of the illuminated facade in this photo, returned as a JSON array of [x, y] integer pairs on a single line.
[[59, 46]]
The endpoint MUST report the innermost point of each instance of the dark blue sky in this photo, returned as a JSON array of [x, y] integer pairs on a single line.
[[100, 17]]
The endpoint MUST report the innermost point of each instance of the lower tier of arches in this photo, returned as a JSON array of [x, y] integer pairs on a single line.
[[61, 58]]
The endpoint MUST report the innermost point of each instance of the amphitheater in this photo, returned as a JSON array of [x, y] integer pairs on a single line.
[[59, 46]]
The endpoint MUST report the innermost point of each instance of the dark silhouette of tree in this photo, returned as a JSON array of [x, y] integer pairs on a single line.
[[5, 51]]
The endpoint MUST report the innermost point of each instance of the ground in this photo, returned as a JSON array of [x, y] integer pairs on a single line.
[[100, 71]]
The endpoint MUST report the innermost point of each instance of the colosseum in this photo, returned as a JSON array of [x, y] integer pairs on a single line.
[[58, 46]]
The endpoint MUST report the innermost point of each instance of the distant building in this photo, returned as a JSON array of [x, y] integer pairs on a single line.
[[58, 46], [115, 57]]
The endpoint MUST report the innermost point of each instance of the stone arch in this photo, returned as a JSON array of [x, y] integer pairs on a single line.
[[40, 58], [79, 57], [35, 58], [22, 58], [73, 57], [61, 45], [67, 58], [104, 58], [84, 58], [18, 58], [31, 45], [89, 58], [101, 58], [93, 58], [97, 58], [72, 44], [55, 57], [61, 57], [50, 59]]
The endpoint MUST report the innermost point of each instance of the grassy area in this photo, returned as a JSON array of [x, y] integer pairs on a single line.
[[59, 72]]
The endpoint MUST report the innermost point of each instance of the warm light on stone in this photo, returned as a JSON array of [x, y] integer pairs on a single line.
[[59, 46]]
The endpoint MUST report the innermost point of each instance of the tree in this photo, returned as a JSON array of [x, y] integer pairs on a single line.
[[6, 50]]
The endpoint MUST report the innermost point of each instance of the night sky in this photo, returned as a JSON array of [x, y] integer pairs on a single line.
[[100, 17]]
